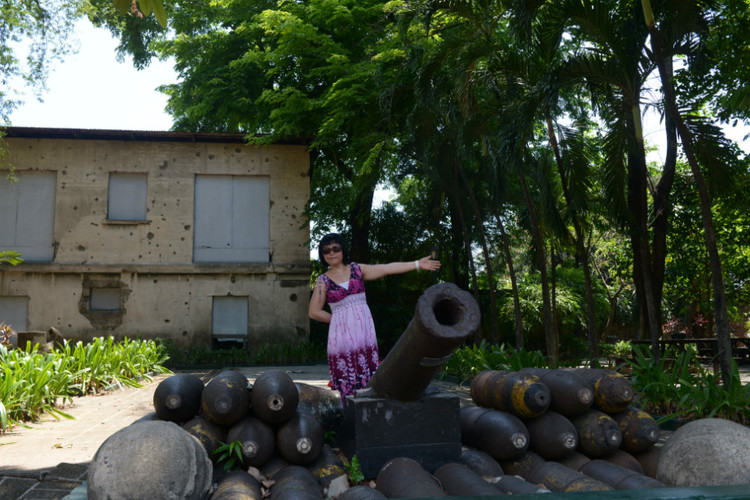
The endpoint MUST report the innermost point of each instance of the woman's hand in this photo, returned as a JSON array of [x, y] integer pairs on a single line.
[[427, 264]]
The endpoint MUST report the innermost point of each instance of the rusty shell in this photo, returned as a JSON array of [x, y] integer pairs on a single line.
[[639, 430], [178, 398], [226, 399], [514, 485], [502, 435], [649, 460], [274, 397], [620, 478], [295, 482], [324, 404], [404, 477], [210, 435], [299, 440], [613, 392], [624, 459], [598, 434], [575, 460], [558, 477], [551, 435], [237, 485], [524, 466], [256, 438], [361, 492], [459, 480], [481, 462], [444, 317], [513, 392], [327, 466], [571, 393]]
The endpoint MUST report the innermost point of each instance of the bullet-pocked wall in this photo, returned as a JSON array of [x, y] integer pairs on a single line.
[[187, 236]]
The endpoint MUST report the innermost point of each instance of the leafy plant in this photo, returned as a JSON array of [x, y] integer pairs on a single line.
[[230, 454], [467, 361], [353, 470], [10, 257]]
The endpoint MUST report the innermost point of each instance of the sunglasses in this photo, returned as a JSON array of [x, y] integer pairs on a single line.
[[332, 248]]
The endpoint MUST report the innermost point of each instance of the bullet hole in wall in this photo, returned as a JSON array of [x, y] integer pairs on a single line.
[[293, 297]]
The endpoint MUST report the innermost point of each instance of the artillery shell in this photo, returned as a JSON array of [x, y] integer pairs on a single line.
[[624, 459], [524, 466], [459, 480], [237, 485], [639, 430], [514, 392], [598, 434], [613, 392], [225, 399], [571, 393], [558, 477], [324, 404], [575, 460], [274, 397], [502, 435], [403, 477], [515, 485], [551, 435], [295, 483], [178, 398], [481, 462], [361, 492], [327, 466], [300, 439], [208, 433], [649, 460], [257, 440], [620, 478]]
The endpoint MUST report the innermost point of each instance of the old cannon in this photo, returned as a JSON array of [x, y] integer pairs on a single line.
[[396, 415]]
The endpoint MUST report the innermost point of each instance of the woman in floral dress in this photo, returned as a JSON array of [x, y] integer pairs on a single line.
[[352, 344]]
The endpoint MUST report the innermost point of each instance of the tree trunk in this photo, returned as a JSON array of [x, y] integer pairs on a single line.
[[513, 283], [592, 337], [551, 336], [723, 334]]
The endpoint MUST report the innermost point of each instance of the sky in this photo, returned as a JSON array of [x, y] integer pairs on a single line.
[[91, 90]]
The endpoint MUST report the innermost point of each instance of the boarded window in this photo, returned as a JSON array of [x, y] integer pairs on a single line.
[[14, 311], [229, 318], [105, 299], [231, 219], [127, 196], [27, 215]]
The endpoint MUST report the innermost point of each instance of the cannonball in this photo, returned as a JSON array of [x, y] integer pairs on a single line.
[[150, 459], [706, 452]]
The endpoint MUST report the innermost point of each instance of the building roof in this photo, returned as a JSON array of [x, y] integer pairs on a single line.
[[133, 135]]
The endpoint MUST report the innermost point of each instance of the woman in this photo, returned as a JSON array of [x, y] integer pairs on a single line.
[[352, 345]]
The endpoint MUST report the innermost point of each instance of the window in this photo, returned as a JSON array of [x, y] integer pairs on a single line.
[[27, 215], [229, 318], [105, 299], [127, 197], [14, 311], [231, 219]]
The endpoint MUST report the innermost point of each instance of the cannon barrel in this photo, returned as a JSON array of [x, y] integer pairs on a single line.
[[445, 316]]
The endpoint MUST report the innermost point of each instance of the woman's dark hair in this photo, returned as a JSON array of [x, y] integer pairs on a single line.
[[330, 239]]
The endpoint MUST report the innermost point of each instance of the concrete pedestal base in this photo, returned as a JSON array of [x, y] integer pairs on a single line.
[[379, 429]]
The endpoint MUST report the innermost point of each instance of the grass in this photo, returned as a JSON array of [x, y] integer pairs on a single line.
[[34, 382]]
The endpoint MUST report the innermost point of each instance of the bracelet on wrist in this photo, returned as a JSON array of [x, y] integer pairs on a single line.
[[416, 265]]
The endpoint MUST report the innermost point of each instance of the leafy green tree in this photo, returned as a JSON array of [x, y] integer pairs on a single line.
[[33, 34]]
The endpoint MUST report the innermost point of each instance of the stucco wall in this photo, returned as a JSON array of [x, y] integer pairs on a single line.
[[164, 293]]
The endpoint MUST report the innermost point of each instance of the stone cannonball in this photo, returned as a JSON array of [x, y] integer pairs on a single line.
[[150, 459], [706, 452]]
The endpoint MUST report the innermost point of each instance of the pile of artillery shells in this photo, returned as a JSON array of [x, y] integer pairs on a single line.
[[567, 418]]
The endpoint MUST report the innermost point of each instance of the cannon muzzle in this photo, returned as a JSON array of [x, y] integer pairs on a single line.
[[445, 316]]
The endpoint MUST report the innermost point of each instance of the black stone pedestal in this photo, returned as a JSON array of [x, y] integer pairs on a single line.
[[379, 429]]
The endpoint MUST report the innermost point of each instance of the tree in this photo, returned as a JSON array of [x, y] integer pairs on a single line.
[[33, 35]]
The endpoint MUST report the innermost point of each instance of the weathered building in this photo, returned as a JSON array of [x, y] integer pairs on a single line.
[[186, 236]]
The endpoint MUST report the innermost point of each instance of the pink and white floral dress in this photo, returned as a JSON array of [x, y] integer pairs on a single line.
[[352, 345]]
